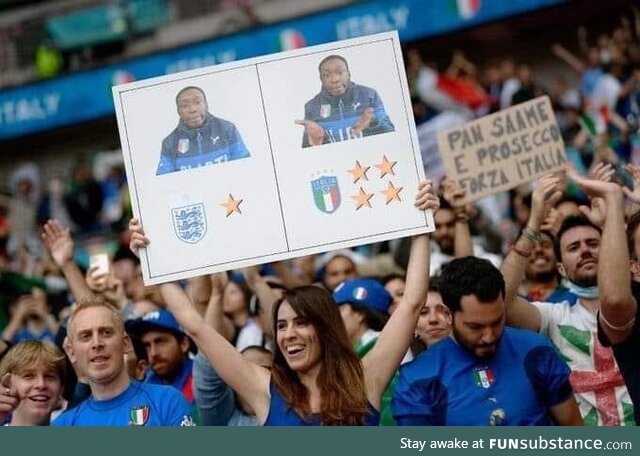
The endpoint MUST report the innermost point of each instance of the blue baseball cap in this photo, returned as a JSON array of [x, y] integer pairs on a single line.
[[161, 320], [367, 293]]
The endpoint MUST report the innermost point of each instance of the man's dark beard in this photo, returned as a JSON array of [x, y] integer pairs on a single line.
[[464, 345]]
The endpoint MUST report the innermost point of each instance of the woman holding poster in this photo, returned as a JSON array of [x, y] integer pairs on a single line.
[[316, 378]]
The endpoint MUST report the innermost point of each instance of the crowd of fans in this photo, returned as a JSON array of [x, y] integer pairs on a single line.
[[519, 309]]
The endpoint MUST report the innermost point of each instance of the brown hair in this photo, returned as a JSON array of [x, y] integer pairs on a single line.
[[24, 355], [341, 378]]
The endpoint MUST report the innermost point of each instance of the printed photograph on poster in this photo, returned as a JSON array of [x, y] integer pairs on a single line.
[[200, 138], [221, 177], [343, 109]]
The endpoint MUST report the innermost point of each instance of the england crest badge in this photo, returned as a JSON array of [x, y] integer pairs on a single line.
[[189, 223], [183, 145], [325, 110], [139, 415], [326, 193]]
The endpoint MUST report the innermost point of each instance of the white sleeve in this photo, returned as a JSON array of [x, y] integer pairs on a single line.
[[546, 316]]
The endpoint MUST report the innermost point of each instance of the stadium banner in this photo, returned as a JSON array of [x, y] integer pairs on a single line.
[[83, 96], [272, 158], [500, 151], [324, 440]]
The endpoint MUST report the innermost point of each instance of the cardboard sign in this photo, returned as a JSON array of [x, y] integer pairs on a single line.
[[272, 158], [503, 150]]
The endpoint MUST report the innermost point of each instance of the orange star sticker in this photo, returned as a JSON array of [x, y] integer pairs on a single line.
[[359, 172], [392, 193], [362, 198], [232, 205], [386, 167]]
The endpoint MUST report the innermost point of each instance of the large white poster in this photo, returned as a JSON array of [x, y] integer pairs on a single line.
[[271, 158]]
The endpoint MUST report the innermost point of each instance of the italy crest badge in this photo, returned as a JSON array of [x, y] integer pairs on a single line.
[[484, 377], [139, 415], [326, 193]]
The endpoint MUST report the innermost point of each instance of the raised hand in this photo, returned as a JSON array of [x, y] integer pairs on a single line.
[[427, 199], [544, 197], [96, 280], [603, 172], [601, 194], [594, 188], [138, 239], [634, 172], [452, 192], [315, 132], [24, 308], [597, 212], [552, 221], [58, 241], [8, 397]]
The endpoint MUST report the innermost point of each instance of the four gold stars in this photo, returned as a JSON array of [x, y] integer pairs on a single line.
[[362, 198], [386, 167], [232, 205], [392, 193], [359, 172]]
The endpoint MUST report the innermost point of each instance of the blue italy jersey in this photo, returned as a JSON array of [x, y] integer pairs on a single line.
[[139, 405], [449, 386], [281, 414], [337, 115], [217, 141], [183, 382]]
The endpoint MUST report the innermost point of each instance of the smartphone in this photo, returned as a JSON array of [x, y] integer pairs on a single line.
[[100, 262]]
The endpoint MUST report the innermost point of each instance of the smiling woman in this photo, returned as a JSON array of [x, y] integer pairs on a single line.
[[300, 317]]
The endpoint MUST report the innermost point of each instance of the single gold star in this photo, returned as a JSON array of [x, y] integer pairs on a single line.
[[392, 193], [362, 198], [232, 205], [359, 172], [386, 167]]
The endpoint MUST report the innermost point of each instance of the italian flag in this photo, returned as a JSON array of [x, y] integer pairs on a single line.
[[596, 121], [291, 39], [327, 200], [466, 9], [139, 416], [484, 378]]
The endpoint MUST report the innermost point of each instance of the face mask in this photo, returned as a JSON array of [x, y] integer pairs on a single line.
[[583, 292]]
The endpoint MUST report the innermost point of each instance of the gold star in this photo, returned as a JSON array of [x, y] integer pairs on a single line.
[[232, 205], [386, 167], [392, 193], [362, 198], [359, 172]]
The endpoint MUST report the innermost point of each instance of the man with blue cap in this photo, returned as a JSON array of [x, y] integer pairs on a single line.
[[364, 307], [167, 349]]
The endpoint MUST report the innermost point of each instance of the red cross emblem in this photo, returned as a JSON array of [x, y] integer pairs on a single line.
[[603, 382]]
